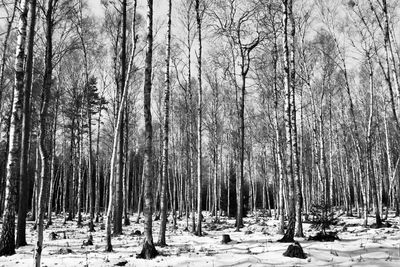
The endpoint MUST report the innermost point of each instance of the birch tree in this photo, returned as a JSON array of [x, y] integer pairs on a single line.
[[116, 136], [44, 150], [287, 10], [199, 119], [165, 164], [148, 251], [7, 240]]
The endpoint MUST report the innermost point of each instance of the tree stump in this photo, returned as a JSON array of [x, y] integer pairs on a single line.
[[53, 236], [89, 242], [136, 233], [226, 239], [295, 251]]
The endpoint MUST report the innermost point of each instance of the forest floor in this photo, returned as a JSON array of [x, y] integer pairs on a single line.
[[255, 245]]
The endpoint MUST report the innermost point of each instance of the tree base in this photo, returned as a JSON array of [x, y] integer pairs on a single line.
[[286, 239], [89, 242], [7, 251], [226, 239], [127, 222], [295, 251], [198, 233], [240, 226], [299, 234], [19, 244], [148, 251], [109, 248]]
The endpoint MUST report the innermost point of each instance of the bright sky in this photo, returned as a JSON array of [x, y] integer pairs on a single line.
[[96, 7], [160, 7]]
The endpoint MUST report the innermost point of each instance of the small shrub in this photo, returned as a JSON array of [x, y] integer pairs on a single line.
[[322, 218]]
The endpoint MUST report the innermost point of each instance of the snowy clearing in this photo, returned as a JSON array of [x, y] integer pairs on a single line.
[[254, 245]]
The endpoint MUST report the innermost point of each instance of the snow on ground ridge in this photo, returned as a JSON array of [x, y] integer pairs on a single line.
[[254, 245]]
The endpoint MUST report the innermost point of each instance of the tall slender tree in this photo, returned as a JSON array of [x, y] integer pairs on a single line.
[[289, 234], [26, 118], [148, 251], [7, 240], [294, 138], [118, 208], [44, 150], [121, 107], [199, 119], [165, 164]]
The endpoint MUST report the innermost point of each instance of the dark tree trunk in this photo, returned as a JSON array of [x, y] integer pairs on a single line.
[[24, 179], [165, 163], [52, 164], [118, 208], [199, 122], [149, 251]]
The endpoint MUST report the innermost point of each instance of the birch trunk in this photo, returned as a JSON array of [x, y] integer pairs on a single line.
[[149, 251], [165, 173], [289, 234], [199, 121], [115, 147], [371, 171], [4, 54], [7, 241], [43, 132]]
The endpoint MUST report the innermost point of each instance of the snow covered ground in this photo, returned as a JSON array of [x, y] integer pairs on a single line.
[[254, 245]]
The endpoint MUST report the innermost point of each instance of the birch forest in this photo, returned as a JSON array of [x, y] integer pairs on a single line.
[[142, 133]]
